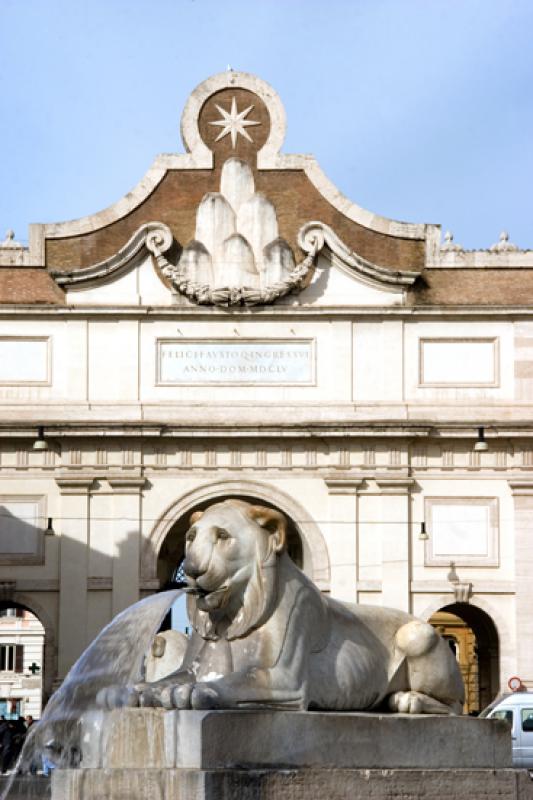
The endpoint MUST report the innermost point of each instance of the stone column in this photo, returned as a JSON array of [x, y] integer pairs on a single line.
[[396, 567], [343, 541], [523, 524], [126, 539], [74, 559]]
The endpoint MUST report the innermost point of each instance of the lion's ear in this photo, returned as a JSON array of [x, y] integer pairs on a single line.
[[272, 521], [195, 517]]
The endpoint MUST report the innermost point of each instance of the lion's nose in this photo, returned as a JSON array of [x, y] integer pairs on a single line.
[[193, 569]]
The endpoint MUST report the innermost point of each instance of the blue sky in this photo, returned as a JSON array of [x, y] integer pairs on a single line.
[[420, 110]]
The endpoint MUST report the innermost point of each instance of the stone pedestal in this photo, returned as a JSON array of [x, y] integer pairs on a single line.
[[241, 755], [304, 784]]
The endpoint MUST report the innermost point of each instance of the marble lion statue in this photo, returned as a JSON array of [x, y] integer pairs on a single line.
[[265, 636]]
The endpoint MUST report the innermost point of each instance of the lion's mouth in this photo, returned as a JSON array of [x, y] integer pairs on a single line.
[[209, 599], [203, 591]]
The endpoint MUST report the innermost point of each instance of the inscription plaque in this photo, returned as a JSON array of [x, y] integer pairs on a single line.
[[249, 362]]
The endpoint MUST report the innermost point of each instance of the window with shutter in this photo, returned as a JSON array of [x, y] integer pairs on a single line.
[[7, 657], [19, 658]]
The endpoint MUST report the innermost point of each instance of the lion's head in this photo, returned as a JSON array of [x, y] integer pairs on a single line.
[[230, 555]]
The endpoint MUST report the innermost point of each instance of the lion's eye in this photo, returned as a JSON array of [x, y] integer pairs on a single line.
[[222, 534]]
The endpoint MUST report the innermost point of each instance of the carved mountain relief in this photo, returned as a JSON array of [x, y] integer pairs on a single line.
[[237, 241]]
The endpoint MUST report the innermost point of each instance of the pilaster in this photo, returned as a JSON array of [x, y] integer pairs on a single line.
[[343, 522], [523, 523], [73, 569], [127, 491], [395, 519]]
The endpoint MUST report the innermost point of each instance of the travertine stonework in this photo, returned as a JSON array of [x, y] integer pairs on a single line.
[[357, 443]]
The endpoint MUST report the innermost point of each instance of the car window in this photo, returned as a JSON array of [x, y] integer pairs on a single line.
[[527, 719], [496, 702], [507, 715]]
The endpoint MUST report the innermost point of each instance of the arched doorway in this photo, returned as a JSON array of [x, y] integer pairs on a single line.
[[172, 552], [473, 638], [22, 661], [163, 548]]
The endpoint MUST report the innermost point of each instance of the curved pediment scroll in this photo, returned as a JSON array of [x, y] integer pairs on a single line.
[[145, 238], [314, 236]]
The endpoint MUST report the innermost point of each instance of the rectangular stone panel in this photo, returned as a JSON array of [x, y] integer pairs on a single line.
[[244, 362], [454, 362], [24, 360], [21, 525], [463, 530]]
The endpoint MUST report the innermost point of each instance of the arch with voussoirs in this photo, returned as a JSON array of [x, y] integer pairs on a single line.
[[164, 550], [49, 662], [485, 636]]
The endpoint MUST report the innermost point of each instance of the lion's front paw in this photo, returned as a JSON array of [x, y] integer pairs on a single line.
[[177, 696], [206, 696], [117, 697], [149, 695], [406, 703]]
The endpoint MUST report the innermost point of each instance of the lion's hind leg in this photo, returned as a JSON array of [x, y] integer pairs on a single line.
[[433, 680]]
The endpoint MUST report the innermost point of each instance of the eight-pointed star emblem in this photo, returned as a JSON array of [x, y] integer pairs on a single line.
[[234, 122]]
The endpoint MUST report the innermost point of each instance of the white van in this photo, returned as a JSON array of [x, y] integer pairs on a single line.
[[517, 709]]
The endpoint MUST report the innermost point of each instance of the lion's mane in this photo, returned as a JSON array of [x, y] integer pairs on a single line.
[[259, 595]]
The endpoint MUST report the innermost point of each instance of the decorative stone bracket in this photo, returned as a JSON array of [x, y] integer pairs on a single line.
[[462, 591]]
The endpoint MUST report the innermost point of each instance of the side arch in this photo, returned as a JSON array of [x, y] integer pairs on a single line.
[[506, 640], [50, 637], [315, 553]]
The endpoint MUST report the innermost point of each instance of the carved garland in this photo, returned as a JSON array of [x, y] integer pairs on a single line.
[[311, 242]]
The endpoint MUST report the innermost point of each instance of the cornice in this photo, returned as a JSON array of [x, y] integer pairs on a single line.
[[279, 311]]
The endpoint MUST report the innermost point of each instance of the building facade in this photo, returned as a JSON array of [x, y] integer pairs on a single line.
[[235, 327], [21, 657]]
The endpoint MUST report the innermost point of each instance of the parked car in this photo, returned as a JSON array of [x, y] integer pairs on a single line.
[[517, 709]]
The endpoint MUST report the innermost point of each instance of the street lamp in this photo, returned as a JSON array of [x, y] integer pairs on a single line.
[[40, 443], [481, 444]]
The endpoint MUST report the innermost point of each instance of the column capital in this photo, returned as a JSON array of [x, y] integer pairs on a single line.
[[75, 484], [339, 485], [522, 487], [400, 485], [126, 484]]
